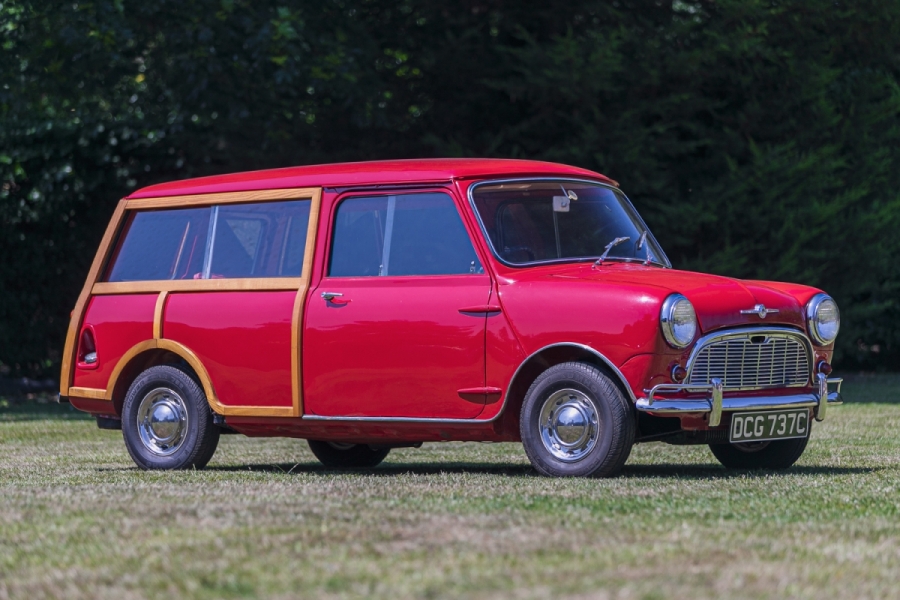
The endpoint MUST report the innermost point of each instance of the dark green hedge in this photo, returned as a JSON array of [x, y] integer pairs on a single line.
[[758, 139]]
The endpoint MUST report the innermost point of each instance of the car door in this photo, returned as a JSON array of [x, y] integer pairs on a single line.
[[396, 326], [242, 332]]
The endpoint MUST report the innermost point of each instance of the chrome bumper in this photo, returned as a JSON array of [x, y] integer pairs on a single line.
[[717, 402]]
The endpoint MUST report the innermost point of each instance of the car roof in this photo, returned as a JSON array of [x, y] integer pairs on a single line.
[[383, 172]]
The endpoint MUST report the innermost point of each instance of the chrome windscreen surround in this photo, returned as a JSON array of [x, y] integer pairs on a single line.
[[663, 262], [751, 359]]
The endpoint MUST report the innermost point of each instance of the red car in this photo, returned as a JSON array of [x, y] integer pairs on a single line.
[[370, 306]]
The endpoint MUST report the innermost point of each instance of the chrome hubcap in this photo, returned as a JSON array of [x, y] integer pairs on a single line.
[[162, 421], [569, 425]]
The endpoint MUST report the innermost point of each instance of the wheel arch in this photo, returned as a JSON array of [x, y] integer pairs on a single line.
[[151, 353], [549, 356]]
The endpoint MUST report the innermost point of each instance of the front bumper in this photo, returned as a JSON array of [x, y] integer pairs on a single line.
[[717, 402]]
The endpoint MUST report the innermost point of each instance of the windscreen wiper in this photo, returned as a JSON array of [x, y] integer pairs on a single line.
[[609, 247], [640, 245]]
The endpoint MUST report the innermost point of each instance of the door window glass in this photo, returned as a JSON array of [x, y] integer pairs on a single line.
[[358, 246], [411, 234]]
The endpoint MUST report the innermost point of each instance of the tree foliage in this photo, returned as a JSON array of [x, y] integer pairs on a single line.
[[759, 139]]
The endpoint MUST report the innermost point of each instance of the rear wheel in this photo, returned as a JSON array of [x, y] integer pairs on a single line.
[[166, 421], [336, 455], [776, 454], [575, 422]]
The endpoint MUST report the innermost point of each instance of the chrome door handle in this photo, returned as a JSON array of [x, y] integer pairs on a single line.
[[329, 296]]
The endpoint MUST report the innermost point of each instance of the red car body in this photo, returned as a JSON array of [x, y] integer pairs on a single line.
[[387, 361]]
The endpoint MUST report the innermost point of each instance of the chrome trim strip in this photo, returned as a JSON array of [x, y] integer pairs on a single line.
[[399, 419], [745, 332], [210, 241], [499, 414], [732, 404], [665, 262], [675, 407], [622, 379]]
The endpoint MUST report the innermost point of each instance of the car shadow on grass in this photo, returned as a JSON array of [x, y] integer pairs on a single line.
[[388, 469], [716, 471], [679, 471]]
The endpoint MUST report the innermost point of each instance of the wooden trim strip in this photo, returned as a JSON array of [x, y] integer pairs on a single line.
[[202, 374], [68, 356], [197, 285], [158, 314], [222, 198], [123, 362], [300, 305], [92, 393]]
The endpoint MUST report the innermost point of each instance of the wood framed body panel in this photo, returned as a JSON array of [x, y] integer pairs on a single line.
[[116, 323], [298, 285], [68, 357]]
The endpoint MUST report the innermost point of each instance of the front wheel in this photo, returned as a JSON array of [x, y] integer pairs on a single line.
[[166, 421], [575, 422], [776, 454], [336, 455]]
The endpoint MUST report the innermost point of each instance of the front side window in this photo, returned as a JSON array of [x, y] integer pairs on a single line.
[[549, 221], [409, 234], [264, 239]]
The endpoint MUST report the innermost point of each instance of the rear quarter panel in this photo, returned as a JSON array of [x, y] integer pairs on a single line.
[[119, 323]]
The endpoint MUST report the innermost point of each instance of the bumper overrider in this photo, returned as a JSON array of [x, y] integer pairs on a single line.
[[720, 401]]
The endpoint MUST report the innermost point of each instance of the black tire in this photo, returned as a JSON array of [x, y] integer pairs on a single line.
[[156, 401], [587, 394], [777, 454], [336, 455]]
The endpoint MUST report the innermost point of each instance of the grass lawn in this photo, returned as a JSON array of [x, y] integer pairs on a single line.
[[78, 520]]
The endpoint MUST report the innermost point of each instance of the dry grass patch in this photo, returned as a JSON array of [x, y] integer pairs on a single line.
[[449, 520]]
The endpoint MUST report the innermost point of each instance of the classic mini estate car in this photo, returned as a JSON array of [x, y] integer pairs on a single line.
[[380, 305]]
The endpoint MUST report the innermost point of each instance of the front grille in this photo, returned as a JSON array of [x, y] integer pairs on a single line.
[[752, 360]]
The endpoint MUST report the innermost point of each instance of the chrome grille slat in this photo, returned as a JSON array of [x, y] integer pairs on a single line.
[[781, 360]]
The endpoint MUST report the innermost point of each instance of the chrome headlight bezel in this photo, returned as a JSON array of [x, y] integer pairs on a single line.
[[671, 328], [813, 308]]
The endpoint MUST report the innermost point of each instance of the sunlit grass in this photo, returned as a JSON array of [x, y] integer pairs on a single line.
[[77, 520]]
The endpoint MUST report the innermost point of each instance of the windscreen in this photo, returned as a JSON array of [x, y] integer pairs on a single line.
[[544, 221]]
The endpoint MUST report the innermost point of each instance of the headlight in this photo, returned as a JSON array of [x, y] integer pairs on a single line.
[[823, 319], [678, 321]]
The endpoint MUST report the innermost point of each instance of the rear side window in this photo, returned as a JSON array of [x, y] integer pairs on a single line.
[[260, 240], [266, 239], [411, 234], [162, 244]]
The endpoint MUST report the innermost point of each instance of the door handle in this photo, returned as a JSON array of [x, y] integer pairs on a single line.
[[482, 309], [334, 297]]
